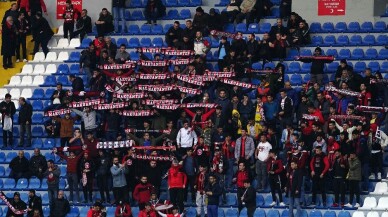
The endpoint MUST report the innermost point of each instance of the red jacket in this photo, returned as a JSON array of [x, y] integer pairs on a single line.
[[126, 212], [275, 165], [142, 192], [325, 163], [176, 178], [144, 213], [317, 114], [204, 117], [241, 176], [99, 45], [26, 4], [72, 163], [92, 213]]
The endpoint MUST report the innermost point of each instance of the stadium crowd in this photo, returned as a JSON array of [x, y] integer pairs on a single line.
[[207, 133]]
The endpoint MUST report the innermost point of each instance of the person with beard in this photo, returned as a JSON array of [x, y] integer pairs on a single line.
[[154, 173], [104, 23], [215, 20], [319, 166], [18, 204], [148, 211], [87, 168], [34, 203], [239, 45], [102, 173], [97, 210], [264, 51], [37, 164], [339, 172], [201, 20], [249, 198], [201, 45], [83, 25], [52, 173], [142, 192], [343, 66], [189, 167], [174, 34], [189, 31], [185, 44], [177, 181], [317, 65], [118, 172]]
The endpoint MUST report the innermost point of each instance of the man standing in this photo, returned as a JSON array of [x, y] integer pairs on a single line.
[[200, 184], [19, 167], [177, 181], [293, 189], [22, 27], [275, 168], [52, 173], [245, 147], [142, 192], [87, 172], [262, 154], [102, 172], [186, 138], [354, 179], [285, 109], [8, 45], [249, 198], [339, 173], [119, 181], [241, 176], [213, 192], [34, 203], [60, 206], [319, 166], [25, 116], [7, 108], [38, 164], [43, 33]]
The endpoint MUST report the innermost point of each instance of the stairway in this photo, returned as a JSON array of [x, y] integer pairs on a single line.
[[7, 74]]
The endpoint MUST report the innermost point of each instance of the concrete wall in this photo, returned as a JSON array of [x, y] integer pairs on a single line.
[[93, 6], [356, 10]]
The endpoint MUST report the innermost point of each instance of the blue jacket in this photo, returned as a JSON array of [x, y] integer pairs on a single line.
[[118, 175], [270, 110]]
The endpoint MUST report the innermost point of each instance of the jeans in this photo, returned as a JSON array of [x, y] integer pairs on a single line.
[[68, 29], [190, 184], [21, 40], [365, 176], [212, 210], [118, 14], [7, 138], [229, 174], [72, 180], [102, 181], [261, 172], [200, 201], [294, 201], [25, 128], [52, 194]]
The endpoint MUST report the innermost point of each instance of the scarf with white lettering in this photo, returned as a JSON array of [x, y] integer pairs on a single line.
[[54, 113], [81, 104], [342, 91], [189, 90], [152, 63], [217, 33], [220, 74], [137, 113], [139, 95], [310, 117], [190, 80], [167, 106], [371, 108], [118, 105], [156, 88], [159, 76], [237, 83], [347, 117], [5, 200], [199, 105], [159, 101], [128, 65]]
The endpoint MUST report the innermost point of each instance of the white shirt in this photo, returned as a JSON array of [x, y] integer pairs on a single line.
[[264, 149], [186, 137]]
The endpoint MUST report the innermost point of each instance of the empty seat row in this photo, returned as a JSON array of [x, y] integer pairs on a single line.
[[167, 3], [371, 203], [173, 14], [26, 80], [40, 69], [24, 184], [52, 80], [64, 43], [369, 214], [16, 93], [354, 40], [51, 57], [352, 27]]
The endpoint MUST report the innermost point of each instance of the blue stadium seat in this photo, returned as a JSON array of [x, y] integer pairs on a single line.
[[49, 93], [9, 183], [133, 55], [294, 67], [185, 14], [369, 40], [340, 27], [157, 29], [269, 65], [157, 42], [354, 27], [328, 27], [374, 65], [358, 53], [330, 214], [209, 56], [305, 52], [359, 66], [380, 26], [275, 12], [63, 79], [296, 80], [133, 29], [241, 27], [257, 66], [37, 143], [383, 53], [74, 56], [231, 212], [273, 213], [265, 27], [74, 212], [229, 28], [306, 68], [137, 15], [85, 42], [317, 40], [259, 213], [145, 30], [254, 28], [133, 43], [355, 40], [172, 14], [171, 3], [183, 3], [136, 3], [127, 15], [222, 3], [231, 200], [10, 156], [367, 27], [329, 40], [37, 118], [195, 3], [63, 69], [371, 53], [62, 183], [167, 27], [292, 53], [306, 78], [344, 54], [49, 143], [38, 94], [342, 40], [344, 214], [315, 213], [382, 40], [22, 184], [243, 212], [2, 173], [315, 27], [37, 105], [45, 199], [74, 69], [332, 52], [121, 41], [37, 131], [267, 202], [145, 42]]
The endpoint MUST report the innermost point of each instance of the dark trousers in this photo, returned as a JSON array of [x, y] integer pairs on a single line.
[[176, 197], [7, 138], [81, 34], [7, 61], [339, 189], [103, 29], [376, 163], [25, 128], [354, 189], [212, 210], [65, 141], [250, 17], [72, 181], [151, 16], [274, 184], [88, 189], [120, 194], [251, 211], [43, 42], [240, 192], [190, 184], [318, 185], [18, 175], [21, 40], [68, 29], [103, 186]]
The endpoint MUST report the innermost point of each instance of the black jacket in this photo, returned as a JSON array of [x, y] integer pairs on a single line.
[[84, 24], [176, 35], [118, 3], [34, 203], [19, 165], [88, 59], [78, 84], [60, 208], [275, 29], [13, 14], [7, 109], [60, 94], [253, 49], [295, 183], [20, 205], [103, 165], [287, 107], [36, 163], [97, 83], [250, 197], [213, 199], [42, 29], [8, 36], [25, 113]]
